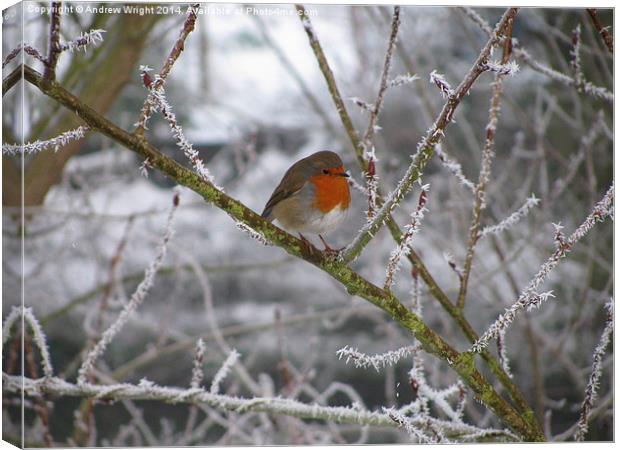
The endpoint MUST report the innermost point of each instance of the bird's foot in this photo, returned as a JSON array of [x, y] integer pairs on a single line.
[[331, 252], [311, 248]]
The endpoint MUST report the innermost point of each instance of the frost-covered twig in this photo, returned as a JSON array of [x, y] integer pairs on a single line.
[[174, 395], [53, 49], [406, 424], [372, 183], [440, 81], [454, 168], [252, 233], [509, 68], [488, 153], [575, 59], [197, 372], [378, 361], [593, 382], [449, 258], [512, 219], [136, 299], [404, 246], [383, 84], [160, 103], [502, 352], [603, 31], [38, 146], [230, 361], [401, 80], [363, 105], [175, 52], [529, 298], [367, 149], [12, 54], [27, 49], [37, 332], [587, 140], [426, 146], [93, 37]]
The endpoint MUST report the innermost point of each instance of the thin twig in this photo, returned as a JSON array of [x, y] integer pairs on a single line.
[[488, 153], [593, 382], [136, 299], [179, 46], [53, 49], [603, 31], [151, 392]]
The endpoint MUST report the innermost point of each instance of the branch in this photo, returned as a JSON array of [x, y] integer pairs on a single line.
[[26, 315], [591, 390], [427, 145], [462, 363], [179, 46], [603, 31], [149, 391], [53, 49], [383, 84], [38, 146], [93, 37], [488, 153]]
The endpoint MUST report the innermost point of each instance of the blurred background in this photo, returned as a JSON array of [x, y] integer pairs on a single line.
[[249, 95]]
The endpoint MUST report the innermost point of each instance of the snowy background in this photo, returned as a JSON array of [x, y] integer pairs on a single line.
[[246, 114]]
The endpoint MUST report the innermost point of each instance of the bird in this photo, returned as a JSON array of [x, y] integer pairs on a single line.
[[313, 196]]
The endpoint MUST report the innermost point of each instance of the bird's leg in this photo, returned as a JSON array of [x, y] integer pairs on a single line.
[[328, 249], [307, 243]]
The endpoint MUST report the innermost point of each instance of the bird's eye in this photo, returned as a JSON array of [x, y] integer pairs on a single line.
[[326, 172]]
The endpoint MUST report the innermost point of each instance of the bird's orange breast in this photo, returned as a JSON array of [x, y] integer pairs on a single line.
[[330, 192]]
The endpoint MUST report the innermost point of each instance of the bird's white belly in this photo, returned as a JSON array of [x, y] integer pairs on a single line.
[[322, 223]]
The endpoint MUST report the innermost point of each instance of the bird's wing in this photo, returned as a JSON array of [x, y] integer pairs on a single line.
[[289, 186]]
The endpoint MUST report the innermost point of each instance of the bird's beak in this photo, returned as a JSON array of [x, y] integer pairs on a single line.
[[343, 174]]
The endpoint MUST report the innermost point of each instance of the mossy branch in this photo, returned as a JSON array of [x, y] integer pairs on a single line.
[[462, 363]]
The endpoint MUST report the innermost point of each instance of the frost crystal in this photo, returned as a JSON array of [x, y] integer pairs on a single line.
[[454, 168], [93, 37], [403, 248], [403, 79], [510, 68], [442, 84], [252, 233]]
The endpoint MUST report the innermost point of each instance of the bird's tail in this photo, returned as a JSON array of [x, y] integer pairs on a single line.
[[266, 214]]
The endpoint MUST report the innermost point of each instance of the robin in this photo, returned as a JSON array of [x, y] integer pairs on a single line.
[[313, 196]]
